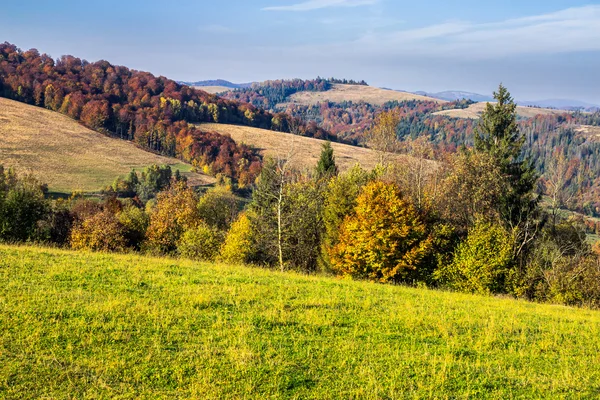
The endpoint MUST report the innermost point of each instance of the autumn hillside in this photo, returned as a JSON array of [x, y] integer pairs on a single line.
[[356, 93], [474, 111], [68, 156], [304, 151]]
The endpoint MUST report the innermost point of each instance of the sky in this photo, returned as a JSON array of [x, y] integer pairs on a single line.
[[539, 49]]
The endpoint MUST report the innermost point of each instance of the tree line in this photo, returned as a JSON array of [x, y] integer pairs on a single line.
[[471, 223]]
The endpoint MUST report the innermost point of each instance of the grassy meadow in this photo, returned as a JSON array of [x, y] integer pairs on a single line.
[[357, 93], [305, 151], [84, 325], [67, 155]]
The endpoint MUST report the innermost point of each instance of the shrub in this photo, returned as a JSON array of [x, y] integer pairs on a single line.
[[22, 206], [481, 263], [174, 213], [238, 247], [200, 243], [135, 223], [219, 207], [99, 232], [384, 240]]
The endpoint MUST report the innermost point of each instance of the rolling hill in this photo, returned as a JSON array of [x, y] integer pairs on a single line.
[[68, 156], [84, 325], [474, 111], [356, 93], [305, 150]]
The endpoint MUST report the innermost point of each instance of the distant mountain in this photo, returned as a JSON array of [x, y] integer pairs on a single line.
[[562, 104], [218, 82], [453, 95]]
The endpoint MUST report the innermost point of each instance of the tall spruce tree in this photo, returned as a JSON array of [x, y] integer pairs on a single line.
[[326, 167], [498, 136]]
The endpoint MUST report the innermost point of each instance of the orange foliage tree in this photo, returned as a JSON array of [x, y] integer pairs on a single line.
[[384, 240]]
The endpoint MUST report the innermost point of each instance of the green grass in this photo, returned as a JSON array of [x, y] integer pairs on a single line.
[[83, 325]]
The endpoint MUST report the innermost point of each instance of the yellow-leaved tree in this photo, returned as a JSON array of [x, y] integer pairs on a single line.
[[384, 239], [175, 212]]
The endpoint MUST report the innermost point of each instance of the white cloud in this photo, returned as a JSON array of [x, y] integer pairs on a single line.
[[318, 4], [570, 30]]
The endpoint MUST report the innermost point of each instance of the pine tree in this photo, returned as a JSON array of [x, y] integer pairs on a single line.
[[499, 136], [326, 167]]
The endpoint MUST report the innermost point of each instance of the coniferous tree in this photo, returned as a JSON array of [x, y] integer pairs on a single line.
[[499, 136], [326, 167]]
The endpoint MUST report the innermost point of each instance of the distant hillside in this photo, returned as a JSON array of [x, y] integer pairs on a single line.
[[453, 95], [474, 111], [217, 82], [356, 93], [562, 104], [306, 150], [68, 156]]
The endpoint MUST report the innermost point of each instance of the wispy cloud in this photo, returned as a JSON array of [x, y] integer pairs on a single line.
[[569, 30], [318, 4]]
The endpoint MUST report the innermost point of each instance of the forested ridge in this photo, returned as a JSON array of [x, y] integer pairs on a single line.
[[154, 112]]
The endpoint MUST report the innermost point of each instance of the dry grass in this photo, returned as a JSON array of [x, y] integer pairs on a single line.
[[475, 110], [213, 89], [68, 156], [356, 93], [590, 132], [306, 151]]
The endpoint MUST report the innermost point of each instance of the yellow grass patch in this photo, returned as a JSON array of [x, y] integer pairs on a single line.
[[474, 111], [306, 151], [67, 155], [357, 93]]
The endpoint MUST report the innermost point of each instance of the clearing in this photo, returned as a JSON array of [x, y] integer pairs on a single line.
[[84, 325], [68, 156], [474, 111], [306, 151], [214, 89], [356, 93]]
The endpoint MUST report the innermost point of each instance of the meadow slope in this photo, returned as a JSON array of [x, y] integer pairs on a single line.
[[305, 150], [355, 93], [83, 325], [475, 110], [69, 156]]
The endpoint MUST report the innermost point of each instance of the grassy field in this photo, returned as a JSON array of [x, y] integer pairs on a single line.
[[68, 156], [214, 89], [356, 93], [306, 151], [474, 111], [82, 325]]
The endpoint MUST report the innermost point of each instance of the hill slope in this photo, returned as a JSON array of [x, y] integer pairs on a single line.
[[474, 111], [306, 151], [67, 155], [355, 93], [83, 325]]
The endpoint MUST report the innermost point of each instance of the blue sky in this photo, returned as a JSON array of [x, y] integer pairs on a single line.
[[539, 49]]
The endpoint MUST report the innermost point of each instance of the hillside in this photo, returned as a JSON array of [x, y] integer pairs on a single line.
[[306, 151], [356, 93], [68, 156], [474, 111], [213, 89], [84, 325]]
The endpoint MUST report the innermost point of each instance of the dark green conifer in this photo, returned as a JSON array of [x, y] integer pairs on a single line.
[[326, 167]]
